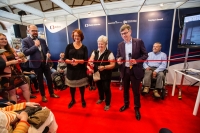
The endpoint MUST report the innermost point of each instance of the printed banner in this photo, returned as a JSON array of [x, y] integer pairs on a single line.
[[156, 27], [56, 39], [114, 24], [92, 28]]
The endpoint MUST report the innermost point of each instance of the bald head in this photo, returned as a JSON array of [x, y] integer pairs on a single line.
[[157, 47], [32, 30]]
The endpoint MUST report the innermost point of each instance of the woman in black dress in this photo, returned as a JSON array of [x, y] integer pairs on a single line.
[[76, 54]]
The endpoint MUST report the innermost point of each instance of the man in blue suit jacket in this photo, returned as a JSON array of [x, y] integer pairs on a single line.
[[131, 49], [38, 51]]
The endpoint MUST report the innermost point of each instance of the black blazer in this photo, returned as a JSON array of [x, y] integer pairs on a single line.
[[29, 49], [138, 52]]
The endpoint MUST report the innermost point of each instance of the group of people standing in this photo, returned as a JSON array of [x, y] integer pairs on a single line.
[[102, 60]]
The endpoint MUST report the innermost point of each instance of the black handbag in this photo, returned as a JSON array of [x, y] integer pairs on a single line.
[[30, 110]]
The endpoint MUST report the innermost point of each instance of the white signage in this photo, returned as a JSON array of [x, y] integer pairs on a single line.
[[55, 26], [124, 22], [156, 19], [88, 25]]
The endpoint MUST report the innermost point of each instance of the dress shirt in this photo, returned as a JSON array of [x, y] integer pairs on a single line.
[[161, 64], [128, 49]]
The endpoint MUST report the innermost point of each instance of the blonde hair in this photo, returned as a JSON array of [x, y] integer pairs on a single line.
[[20, 55], [103, 39]]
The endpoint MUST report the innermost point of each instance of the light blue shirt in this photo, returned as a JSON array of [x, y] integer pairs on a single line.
[[161, 62], [128, 49]]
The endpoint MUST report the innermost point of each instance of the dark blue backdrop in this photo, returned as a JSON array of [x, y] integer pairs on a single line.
[[114, 24], [92, 28], [156, 27], [70, 28], [40, 28], [57, 43]]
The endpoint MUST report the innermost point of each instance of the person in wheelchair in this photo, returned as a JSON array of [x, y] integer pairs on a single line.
[[59, 76], [154, 66]]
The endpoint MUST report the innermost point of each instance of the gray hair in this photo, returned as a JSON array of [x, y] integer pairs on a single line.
[[158, 43], [103, 39], [125, 26]]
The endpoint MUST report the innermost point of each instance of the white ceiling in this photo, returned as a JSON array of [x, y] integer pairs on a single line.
[[71, 10]]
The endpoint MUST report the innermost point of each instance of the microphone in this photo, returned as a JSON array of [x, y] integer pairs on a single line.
[[35, 38], [129, 55]]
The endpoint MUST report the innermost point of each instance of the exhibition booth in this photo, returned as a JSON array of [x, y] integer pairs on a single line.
[[173, 23], [150, 22]]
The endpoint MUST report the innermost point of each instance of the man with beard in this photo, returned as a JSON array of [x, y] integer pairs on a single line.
[[38, 51]]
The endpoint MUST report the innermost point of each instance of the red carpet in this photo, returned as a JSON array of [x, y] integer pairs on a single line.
[[170, 113]]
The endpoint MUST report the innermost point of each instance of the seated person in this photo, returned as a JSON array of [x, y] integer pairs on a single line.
[[17, 48], [50, 62], [61, 68], [154, 66], [21, 127], [27, 71], [52, 70], [9, 119]]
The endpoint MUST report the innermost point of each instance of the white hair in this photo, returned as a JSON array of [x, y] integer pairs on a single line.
[[103, 39]]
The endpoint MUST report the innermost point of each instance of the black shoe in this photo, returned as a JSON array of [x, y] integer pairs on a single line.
[[44, 99], [54, 96], [83, 104], [123, 108], [90, 88], [32, 96], [137, 114], [71, 104], [36, 91], [93, 88]]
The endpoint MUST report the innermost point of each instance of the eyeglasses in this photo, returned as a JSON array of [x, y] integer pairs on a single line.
[[34, 30], [124, 33]]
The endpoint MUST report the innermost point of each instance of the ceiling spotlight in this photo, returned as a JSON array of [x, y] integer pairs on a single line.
[[89, 13], [45, 19], [161, 4]]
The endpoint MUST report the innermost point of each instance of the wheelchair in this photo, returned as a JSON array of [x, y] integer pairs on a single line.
[[162, 90]]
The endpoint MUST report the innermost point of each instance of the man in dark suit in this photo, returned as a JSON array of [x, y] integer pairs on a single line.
[[38, 51], [134, 51]]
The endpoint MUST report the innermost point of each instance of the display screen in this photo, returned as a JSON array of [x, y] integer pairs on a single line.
[[190, 34]]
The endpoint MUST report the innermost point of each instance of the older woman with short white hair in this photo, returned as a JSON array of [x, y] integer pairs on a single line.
[[103, 60]]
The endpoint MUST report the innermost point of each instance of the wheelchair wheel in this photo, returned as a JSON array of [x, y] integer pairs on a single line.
[[163, 94]]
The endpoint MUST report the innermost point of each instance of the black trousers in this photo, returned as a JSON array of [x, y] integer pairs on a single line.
[[73, 91], [33, 79], [135, 88], [44, 69], [90, 80], [104, 90]]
